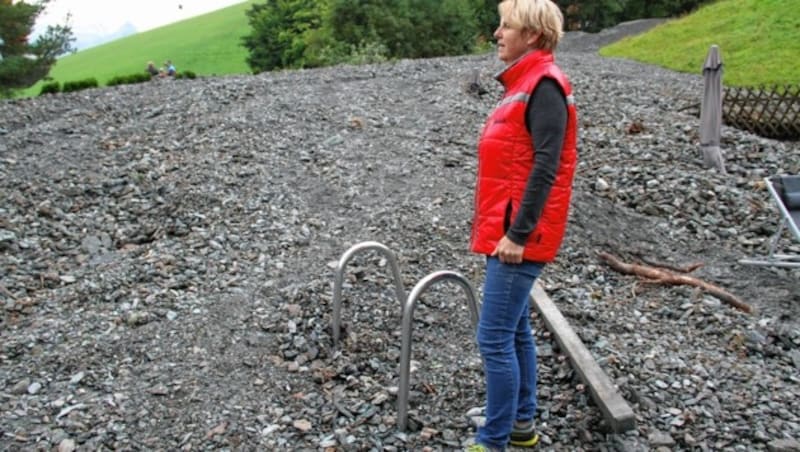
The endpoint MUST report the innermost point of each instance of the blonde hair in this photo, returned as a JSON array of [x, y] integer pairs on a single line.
[[538, 16]]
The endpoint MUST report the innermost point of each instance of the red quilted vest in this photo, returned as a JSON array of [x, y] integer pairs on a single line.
[[505, 159]]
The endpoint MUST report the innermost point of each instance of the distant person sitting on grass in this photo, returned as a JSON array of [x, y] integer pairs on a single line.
[[170, 68], [151, 69]]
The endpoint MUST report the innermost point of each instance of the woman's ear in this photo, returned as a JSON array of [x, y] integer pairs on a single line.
[[532, 38]]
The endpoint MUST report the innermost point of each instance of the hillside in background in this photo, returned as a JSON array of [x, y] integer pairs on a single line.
[[759, 40], [209, 44]]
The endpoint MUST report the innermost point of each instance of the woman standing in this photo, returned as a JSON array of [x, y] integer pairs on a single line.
[[526, 161]]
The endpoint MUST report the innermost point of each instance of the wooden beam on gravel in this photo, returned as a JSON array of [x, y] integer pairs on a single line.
[[616, 411]]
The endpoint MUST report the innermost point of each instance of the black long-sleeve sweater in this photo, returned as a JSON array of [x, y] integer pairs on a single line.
[[546, 118]]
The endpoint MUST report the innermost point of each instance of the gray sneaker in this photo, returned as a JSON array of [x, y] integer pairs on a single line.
[[523, 434]]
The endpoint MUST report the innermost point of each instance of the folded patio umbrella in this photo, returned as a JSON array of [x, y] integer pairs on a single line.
[[711, 110]]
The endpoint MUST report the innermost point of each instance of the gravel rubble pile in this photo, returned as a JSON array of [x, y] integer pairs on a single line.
[[167, 256]]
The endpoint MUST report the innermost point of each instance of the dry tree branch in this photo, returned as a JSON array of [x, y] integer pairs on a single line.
[[680, 269], [662, 276]]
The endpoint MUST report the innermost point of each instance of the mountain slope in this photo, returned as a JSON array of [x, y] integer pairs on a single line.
[[207, 44], [759, 40]]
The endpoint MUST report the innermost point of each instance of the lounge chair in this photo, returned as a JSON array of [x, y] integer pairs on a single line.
[[785, 190]]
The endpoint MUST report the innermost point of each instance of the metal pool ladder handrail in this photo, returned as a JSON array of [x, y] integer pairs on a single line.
[[339, 280], [408, 317]]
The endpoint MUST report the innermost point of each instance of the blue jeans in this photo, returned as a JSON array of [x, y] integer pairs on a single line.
[[507, 348]]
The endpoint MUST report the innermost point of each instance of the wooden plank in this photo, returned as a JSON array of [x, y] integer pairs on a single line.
[[616, 411]]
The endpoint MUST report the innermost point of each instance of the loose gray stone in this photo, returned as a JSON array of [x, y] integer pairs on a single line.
[[784, 445], [660, 439], [200, 246], [67, 445], [34, 388]]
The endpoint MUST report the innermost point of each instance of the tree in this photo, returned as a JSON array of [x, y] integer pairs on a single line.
[[595, 15], [407, 28], [591, 15], [488, 19], [361, 22], [21, 63], [279, 33], [442, 27]]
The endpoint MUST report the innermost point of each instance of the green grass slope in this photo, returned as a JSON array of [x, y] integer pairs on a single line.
[[209, 44], [759, 41]]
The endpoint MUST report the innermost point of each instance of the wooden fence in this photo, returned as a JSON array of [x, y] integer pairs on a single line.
[[772, 112]]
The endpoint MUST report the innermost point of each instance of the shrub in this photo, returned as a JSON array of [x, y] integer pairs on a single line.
[[186, 74], [77, 85], [117, 80], [50, 88], [129, 79], [139, 78], [366, 52]]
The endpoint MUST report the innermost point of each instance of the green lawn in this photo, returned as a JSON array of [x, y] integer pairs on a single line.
[[209, 44], [759, 41]]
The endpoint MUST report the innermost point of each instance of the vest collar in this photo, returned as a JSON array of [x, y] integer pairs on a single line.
[[522, 65]]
